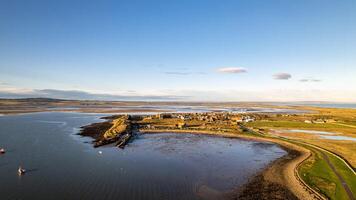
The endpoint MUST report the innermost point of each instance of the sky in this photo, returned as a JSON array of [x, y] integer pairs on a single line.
[[189, 50]]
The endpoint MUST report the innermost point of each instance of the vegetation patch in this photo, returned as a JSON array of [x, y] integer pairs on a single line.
[[318, 175]]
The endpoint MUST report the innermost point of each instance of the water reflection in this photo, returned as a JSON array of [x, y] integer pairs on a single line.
[[154, 166]]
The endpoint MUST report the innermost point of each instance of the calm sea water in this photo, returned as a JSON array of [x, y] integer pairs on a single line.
[[62, 165], [333, 105]]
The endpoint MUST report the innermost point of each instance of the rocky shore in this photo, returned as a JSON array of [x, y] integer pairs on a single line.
[[117, 129]]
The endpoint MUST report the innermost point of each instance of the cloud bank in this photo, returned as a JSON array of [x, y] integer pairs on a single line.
[[281, 95], [83, 95]]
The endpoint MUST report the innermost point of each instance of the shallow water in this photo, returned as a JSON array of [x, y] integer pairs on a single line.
[[338, 137], [63, 165], [310, 132], [334, 105], [322, 105], [185, 109], [323, 134]]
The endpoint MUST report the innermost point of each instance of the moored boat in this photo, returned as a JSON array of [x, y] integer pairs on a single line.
[[123, 140], [21, 171]]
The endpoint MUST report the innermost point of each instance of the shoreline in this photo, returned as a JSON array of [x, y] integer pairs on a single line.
[[279, 178], [256, 131]]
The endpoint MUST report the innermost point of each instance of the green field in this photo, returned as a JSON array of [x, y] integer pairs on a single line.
[[317, 174], [293, 124], [315, 171]]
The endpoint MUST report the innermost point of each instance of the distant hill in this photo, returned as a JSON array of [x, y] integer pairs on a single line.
[[35, 99]]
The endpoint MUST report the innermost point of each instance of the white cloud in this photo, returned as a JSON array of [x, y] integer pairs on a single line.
[[282, 76], [183, 72], [309, 80], [5, 88], [232, 70], [177, 73]]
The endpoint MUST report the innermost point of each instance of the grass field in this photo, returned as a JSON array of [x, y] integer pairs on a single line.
[[317, 174], [346, 149], [295, 125], [316, 171]]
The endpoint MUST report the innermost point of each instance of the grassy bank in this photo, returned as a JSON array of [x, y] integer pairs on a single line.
[[345, 149], [317, 173]]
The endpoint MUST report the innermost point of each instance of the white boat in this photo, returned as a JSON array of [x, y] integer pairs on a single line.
[[21, 170]]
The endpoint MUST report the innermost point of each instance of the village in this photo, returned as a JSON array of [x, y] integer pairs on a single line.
[[122, 127], [211, 121]]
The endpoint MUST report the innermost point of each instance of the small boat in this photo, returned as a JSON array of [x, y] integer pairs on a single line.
[[2, 151], [21, 171], [123, 140]]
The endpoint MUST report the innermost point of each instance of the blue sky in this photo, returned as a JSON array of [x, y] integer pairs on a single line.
[[188, 50]]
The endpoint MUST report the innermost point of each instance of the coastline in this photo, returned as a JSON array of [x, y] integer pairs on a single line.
[[87, 111], [279, 179], [313, 191]]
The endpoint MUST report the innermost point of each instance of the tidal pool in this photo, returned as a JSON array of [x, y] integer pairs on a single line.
[[323, 134], [338, 137], [62, 165], [310, 132]]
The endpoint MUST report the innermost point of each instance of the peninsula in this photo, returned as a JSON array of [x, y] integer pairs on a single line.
[[314, 168]]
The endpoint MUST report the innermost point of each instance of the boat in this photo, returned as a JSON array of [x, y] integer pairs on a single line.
[[21, 171], [2, 151], [123, 140]]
